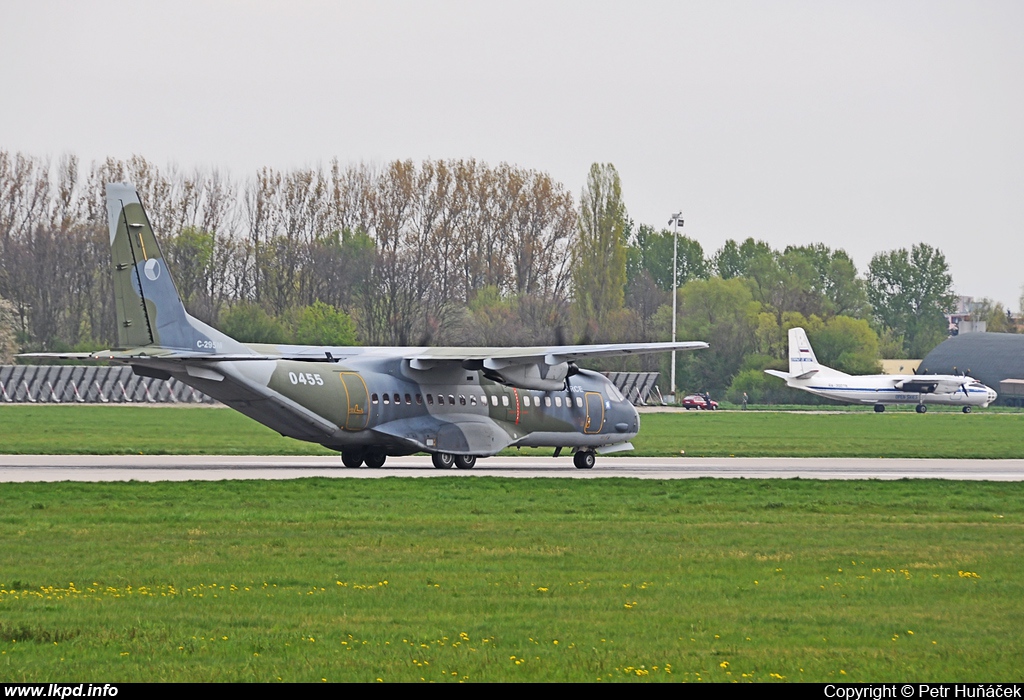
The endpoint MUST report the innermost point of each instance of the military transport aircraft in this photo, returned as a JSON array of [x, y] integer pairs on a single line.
[[458, 404], [879, 389]]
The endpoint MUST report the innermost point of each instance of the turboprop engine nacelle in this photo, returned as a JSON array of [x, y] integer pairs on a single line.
[[534, 375]]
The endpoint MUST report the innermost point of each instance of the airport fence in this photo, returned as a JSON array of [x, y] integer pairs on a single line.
[[639, 388], [89, 384]]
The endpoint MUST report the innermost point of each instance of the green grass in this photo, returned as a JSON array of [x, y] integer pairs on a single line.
[[512, 580], [160, 430], [846, 434]]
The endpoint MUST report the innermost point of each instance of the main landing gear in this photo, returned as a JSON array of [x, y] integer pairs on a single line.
[[353, 459], [879, 408], [445, 460], [921, 408], [967, 409], [584, 459]]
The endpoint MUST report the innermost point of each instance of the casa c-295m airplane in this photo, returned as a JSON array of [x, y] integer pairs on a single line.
[[368, 403], [878, 389]]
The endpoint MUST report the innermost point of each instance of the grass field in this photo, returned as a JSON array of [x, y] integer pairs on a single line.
[[169, 430], [512, 580]]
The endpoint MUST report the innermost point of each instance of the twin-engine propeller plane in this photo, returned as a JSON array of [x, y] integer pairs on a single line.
[[369, 403], [878, 389]]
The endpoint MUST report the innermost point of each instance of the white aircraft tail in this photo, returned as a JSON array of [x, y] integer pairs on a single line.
[[801, 356]]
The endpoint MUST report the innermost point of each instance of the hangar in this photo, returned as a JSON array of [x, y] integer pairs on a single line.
[[995, 359]]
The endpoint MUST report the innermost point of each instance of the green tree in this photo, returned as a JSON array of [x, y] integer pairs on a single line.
[[733, 259], [599, 269], [652, 251], [834, 278], [725, 315], [323, 324], [249, 323], [847, 344], [910, 292], [191, 254]]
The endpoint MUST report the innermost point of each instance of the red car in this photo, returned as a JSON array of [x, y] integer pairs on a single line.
[[699, 402]]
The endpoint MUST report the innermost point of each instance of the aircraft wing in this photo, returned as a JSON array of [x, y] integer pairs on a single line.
[[420, 358], [933, 384], [546, 354], [542, 368]]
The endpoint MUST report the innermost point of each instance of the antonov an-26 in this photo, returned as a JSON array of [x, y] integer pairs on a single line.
[[879, 389], [457, 404]]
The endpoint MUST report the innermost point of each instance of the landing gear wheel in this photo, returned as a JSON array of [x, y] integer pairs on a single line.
[[465, 461], [442, 460], [375, 460], [879, 408], [967, 409], [584, 459], [352, 459], [920, 408]]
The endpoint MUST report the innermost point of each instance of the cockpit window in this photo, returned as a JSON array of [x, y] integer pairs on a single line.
[[615, 393]]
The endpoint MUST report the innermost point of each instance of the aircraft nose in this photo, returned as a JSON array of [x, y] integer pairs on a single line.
[[627, 419]]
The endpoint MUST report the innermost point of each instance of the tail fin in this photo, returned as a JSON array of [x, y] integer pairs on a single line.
[[148, 308], [801, 355]]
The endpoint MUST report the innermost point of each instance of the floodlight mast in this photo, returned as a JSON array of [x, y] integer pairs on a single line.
[[677, 223]]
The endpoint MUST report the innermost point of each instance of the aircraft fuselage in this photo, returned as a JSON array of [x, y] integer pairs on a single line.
[[882, 391], [383, 403]]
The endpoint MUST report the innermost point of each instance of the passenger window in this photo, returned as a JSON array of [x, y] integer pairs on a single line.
[[504, 400], [398, 399], [419, 399], [494, 399], [472, 401], [579, 402], [408, 400], [558, 401], [526, 401], [451, 399], [440, 399], [386, 400], [374, 399], [430, 399], [547, 401], [462, 400]]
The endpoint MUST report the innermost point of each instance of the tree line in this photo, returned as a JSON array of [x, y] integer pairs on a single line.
[[449, 252]]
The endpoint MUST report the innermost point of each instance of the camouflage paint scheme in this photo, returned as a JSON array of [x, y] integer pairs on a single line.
[[366, 402]]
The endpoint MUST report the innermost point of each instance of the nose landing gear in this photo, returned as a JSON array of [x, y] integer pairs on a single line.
[[584, 459]]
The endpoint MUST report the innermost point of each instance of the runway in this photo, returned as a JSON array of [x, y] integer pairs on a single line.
[[44, 468]]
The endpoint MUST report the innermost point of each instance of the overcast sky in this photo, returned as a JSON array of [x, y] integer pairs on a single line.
[[864, 125]]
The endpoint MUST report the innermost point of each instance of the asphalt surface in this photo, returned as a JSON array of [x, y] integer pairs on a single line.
[[29, 468]]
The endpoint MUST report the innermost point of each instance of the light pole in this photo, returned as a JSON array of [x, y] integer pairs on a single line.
[[677, 222]]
